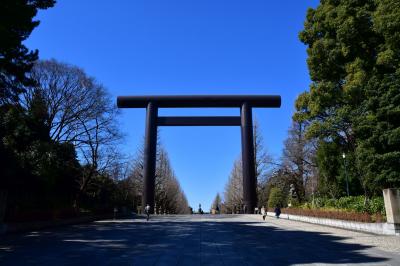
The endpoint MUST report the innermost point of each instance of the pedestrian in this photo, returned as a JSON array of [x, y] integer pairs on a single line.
[[263, 213], [147, 211], [115, 212], [277, 211]]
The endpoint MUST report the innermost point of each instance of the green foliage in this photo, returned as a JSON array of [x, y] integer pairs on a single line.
[[20, 133], [277, 198], [352, 203], [39, 175], [294, 202], [16, 20], [376, 205], [217, 202], [353, 104], [328, 156]]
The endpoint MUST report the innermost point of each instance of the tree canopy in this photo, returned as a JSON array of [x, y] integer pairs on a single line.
[[353, 104], [16, 60]]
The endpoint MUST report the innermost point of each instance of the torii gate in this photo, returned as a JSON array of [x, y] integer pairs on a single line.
[[245, 121]]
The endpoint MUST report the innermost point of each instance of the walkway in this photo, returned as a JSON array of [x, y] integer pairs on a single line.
[[198, 240]]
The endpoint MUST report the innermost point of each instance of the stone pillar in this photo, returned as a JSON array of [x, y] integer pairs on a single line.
[[391, 197]]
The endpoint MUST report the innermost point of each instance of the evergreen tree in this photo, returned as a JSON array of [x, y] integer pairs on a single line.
[[16, 60], [217, 203], [353, 102]]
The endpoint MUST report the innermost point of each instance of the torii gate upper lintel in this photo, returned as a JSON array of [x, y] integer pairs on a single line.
[[245, 121]]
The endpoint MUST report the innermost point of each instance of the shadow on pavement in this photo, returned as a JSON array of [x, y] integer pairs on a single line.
[[130, 242]]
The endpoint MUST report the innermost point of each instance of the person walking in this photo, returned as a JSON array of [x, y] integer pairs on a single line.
[[277, 211], [147, 211], [263, 213]]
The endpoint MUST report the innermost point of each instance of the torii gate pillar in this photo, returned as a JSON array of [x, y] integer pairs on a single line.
[[150, 152], [248, 165]]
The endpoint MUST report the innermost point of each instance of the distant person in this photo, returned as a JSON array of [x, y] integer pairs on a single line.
[[256, 210], [263, 213], [115, 212], [147, 211], [277, 211]]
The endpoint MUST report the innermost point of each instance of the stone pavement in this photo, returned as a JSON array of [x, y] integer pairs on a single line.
[[198, 240]]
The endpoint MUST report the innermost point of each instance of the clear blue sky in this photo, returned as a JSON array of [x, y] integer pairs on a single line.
[[186, 47]]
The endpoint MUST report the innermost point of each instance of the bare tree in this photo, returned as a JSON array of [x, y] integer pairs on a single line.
[[264, 165], [299, 159], [169, 197], [233, 194], [72, 99], [97, 147], [80, 111], [263, 160]]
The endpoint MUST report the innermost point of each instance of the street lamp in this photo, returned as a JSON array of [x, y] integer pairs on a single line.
[[345, 174]]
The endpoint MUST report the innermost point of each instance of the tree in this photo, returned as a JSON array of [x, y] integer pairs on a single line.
[[98, 151], [277, 198], [264, 164], [74, 100], [282, 179], [378, 151], [16, 20], [353, 59], [169, 197], [233, 194], [81, 112], [299, 159], [217, 202], [44, 173]]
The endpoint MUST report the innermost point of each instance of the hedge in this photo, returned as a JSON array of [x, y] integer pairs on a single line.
[[352, 203]]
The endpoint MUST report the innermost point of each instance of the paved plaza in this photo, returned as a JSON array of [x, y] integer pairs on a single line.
[[198, 240]]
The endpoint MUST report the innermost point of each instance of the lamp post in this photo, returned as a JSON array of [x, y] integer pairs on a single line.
[[345, 174]]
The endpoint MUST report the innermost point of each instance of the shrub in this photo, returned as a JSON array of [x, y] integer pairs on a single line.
[[276, 197], [353, 203], [336, 214], [294, 202], [376, 205]]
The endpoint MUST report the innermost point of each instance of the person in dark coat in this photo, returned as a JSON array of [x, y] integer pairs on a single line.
[[147, 211], [277, 211]]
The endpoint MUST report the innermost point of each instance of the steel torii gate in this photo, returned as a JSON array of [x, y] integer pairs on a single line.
[[245, 121]]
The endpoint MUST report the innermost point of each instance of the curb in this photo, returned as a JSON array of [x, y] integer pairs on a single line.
[[372, 228]]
